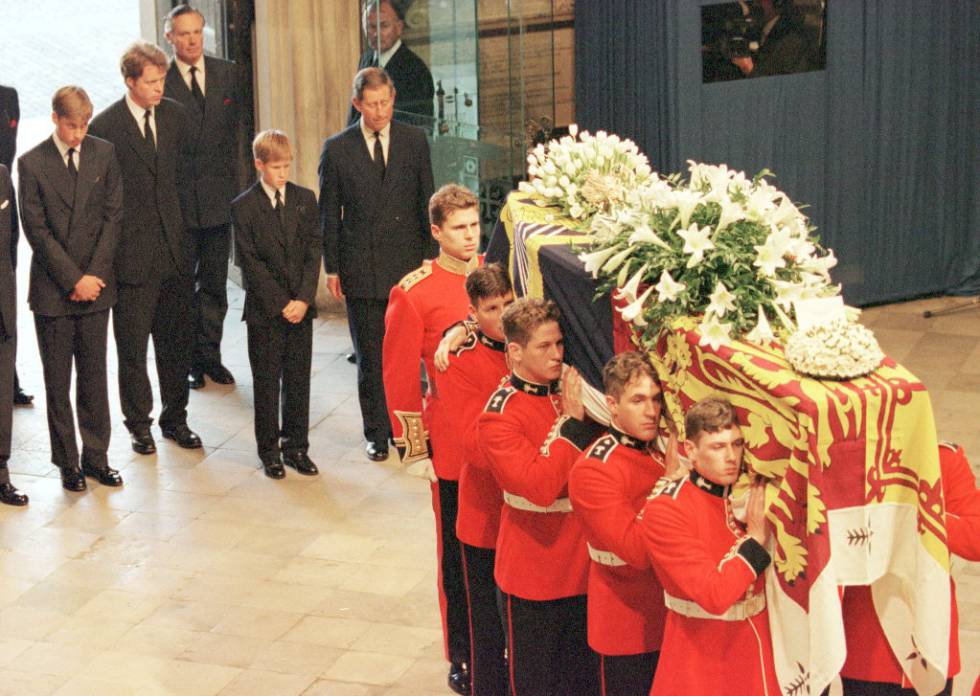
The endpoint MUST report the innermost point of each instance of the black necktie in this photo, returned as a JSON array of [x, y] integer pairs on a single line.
[[280, 210], [148, 131], [196, 89], [72, 170], [379, 154]]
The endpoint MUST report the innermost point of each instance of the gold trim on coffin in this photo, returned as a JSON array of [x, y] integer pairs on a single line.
[[414, 440]]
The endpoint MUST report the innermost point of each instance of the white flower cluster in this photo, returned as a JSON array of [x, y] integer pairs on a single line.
[[837, 350], [585, 174], [686, 241]]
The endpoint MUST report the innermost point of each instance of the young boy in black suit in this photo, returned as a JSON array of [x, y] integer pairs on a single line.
[[278, 241]]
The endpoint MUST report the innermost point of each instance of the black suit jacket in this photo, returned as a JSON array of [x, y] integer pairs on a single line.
[[9, 120], [8, 283], [151, 181], [279, 263], [72, 229], [214, 141], [413, 86], [374, 231]]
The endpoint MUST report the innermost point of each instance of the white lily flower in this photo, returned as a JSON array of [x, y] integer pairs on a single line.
[[613, 263], [643, 234], [762, 333], [731, 211], [633, 312], [685, 202], [714, 333], [628, 291], [573, 129], [721, 301], [821, 265], [623, 273], [771, 254], [697, 240], [594, 260], [668, 289]]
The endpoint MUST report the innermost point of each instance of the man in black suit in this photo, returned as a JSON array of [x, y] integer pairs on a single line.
[[383, 26], [154, 261], [210, 90], [9, 120], [8, 340], [71, 201], [375, 185]]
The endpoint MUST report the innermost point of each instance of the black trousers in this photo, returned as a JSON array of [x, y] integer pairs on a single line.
[[366, 318], [211, 252], [62, 341], [627, 675], [157, 308], [452, 583], [855, 687], [549, 652], [280, 354], [8, 353], [488, 668]]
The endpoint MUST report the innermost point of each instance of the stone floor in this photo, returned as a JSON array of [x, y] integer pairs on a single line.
[[201, 576]]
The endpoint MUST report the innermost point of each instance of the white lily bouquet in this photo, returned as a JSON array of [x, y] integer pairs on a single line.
[[584, 175], [734, 252]]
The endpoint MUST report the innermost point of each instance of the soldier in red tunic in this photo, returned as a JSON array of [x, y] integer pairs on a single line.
[[871, 667], [530, 434], [716, 639], [475, 371], [608, 486], [420, 308]]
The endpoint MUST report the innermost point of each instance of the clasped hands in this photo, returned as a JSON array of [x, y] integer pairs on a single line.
[[87, 289], [295, 311]]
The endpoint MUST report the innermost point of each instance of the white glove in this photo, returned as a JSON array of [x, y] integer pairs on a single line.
[[423, 469]]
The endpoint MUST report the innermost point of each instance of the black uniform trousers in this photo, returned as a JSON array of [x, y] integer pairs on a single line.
[[452, 584], [366, 319], [280, 354], [157, 308], [8, 351], [549, 653], [855, 687], [62, 341], [627, 675], [211, 251], [488, 668]]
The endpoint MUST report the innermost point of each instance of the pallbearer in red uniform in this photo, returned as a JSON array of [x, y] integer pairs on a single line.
[[716, 639], [608, 486], [530, 434], [475, 371], [871, 667], [420, 308]]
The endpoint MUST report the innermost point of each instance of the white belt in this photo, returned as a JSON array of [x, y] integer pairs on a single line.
[[516, 501], [737, 612], [606, 558]]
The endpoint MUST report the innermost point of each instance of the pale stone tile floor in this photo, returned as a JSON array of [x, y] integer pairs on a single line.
[[201, 576]]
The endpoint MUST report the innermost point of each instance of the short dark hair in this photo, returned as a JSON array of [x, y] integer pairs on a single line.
[[709, 415], [447, 200], [524, 316], [138, 55], [623, 369], [487, 282], [395, 6], [181, 9], [371, 78]]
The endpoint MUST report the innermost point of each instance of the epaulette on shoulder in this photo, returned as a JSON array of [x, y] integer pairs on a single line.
[[468, 344], [949, 445], [601, 448], [499, 399], [667, 487], [413, 278]]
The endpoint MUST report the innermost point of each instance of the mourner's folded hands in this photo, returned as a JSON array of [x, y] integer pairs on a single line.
[[87, 289], [295, 311]]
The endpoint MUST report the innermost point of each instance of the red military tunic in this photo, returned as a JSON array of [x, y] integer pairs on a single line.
[[869, 655], [420, 308], [608, 486], [475, 371], [530, 448], [708, 567]]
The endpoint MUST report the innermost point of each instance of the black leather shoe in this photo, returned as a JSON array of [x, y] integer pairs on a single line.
[[73, 480], [21, 398], [182, 435], [459, 679], [376, 451], [301, 462], [352, 358], [219, 374], [142, 441], [11, 496], [273, 467], [106, 475], [195, 378]]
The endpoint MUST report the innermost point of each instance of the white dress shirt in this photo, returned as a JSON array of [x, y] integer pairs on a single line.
[[137, 111], [63, 149], [386, 56], [185, 72], [369, 139], [271, 193]]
